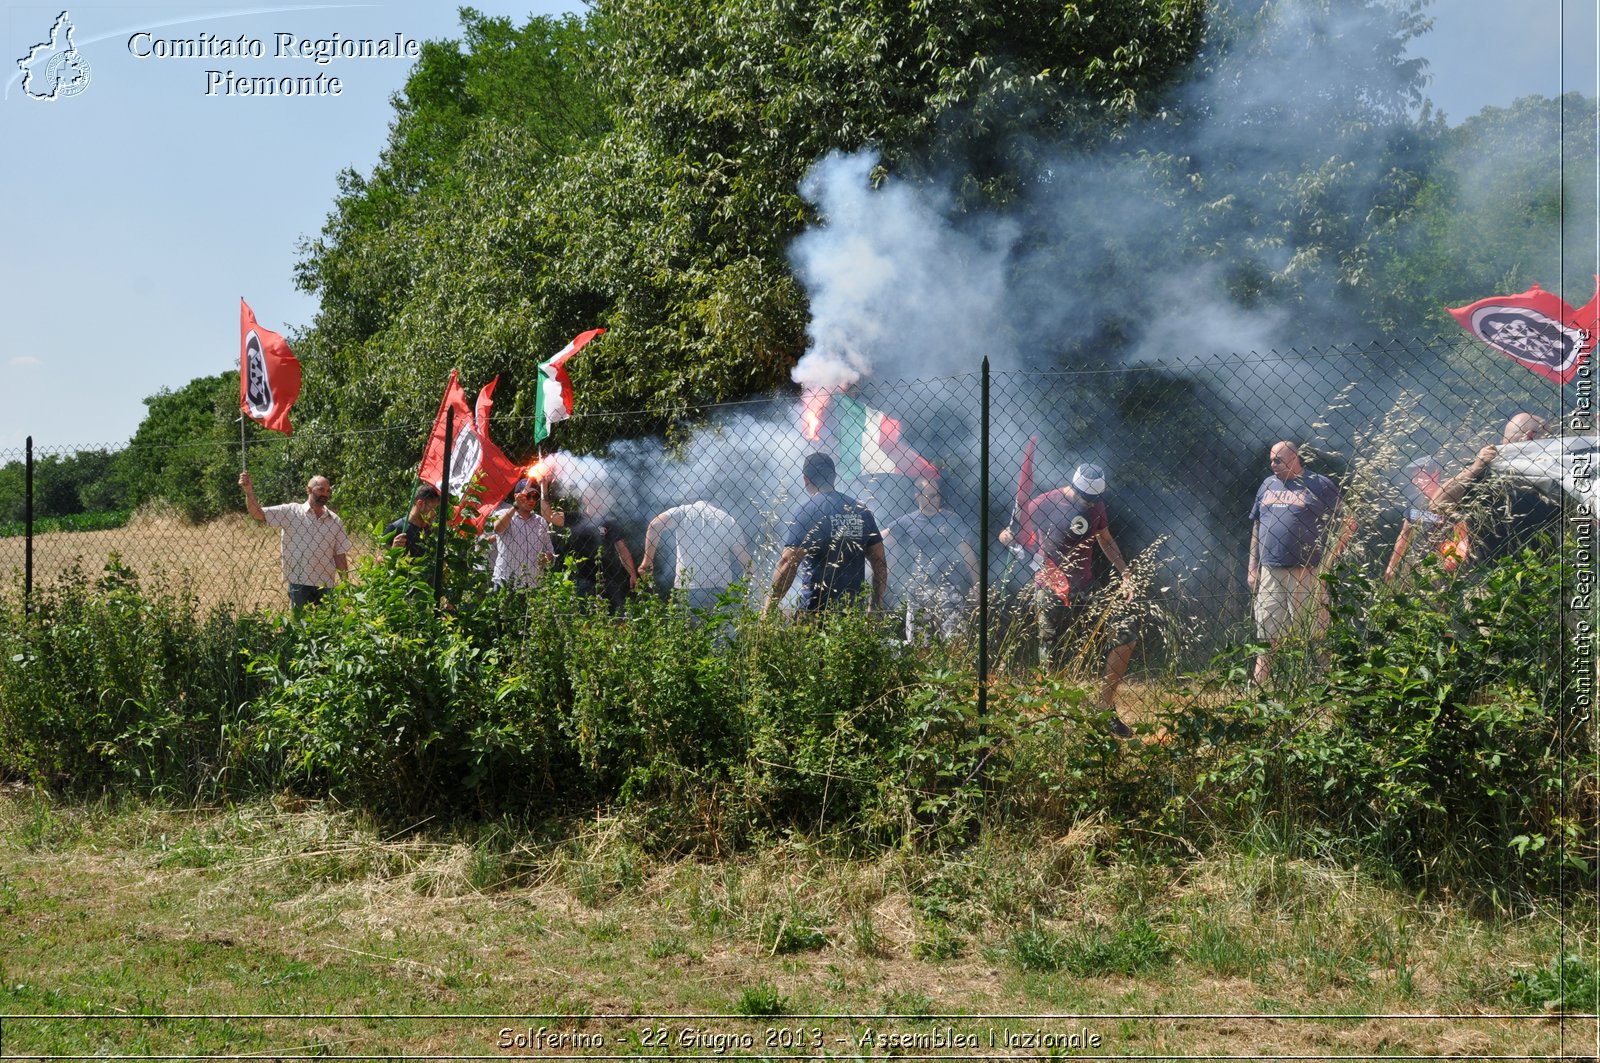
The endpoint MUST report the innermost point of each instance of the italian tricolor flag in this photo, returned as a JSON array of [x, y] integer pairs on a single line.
[[869, 442], [552, 401]]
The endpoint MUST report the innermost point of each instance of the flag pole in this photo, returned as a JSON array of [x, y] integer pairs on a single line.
[[243, 466], [444, 506]]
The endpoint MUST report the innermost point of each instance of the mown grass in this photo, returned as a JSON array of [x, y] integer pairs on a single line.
[[128, 918]]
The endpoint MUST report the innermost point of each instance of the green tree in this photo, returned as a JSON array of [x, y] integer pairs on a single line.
[[656, 192], [186, 452], [1296, 154], [1509, 204]]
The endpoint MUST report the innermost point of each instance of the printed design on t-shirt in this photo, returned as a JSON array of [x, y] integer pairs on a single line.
[[1294, 497]]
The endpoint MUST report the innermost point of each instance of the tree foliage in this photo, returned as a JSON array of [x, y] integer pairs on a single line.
[[638, 167], [656, 192], [1510, 204]]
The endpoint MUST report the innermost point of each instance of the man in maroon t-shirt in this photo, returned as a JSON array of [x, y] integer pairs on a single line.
[[1060, 527]]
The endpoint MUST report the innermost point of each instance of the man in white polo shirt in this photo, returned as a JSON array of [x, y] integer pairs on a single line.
[[314, 544]]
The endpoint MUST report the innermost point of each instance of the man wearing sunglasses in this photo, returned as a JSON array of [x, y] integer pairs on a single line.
[[525, 548], [1289, 525]]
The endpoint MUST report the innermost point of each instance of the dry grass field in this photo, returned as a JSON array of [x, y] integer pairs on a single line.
[[231, 561]]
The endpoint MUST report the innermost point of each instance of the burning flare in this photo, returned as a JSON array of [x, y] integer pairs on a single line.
[[1457, 548], [541, 470], [812, 405]]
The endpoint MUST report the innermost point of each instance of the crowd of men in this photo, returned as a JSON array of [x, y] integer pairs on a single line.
[[833, 546]]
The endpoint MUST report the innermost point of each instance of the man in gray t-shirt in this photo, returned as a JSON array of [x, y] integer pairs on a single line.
[[932, 548], [708, 541]]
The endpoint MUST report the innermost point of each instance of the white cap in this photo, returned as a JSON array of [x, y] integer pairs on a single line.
[[1089, 479]]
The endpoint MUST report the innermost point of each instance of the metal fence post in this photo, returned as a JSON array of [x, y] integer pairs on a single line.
[[27, 531], [983, 559], [442, 522]]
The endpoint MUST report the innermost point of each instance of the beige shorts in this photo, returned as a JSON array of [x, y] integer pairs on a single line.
[[1290, 601]]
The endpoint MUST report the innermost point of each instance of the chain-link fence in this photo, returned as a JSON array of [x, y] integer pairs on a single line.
[[1181, 445]]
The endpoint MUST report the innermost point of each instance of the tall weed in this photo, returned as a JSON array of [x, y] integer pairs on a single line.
[[386, 702]]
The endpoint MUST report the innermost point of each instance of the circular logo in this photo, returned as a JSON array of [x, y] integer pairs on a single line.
[[1079, 526], [67, 74], [258, 388], [1529, 336]]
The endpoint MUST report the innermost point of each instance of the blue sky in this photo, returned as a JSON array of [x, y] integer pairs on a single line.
[[136, 213]]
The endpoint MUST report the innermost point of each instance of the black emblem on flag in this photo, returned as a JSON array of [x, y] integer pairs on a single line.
[[258, 388], [1530, 337], [465, 454]]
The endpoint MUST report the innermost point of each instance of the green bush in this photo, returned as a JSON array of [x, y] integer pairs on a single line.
[[76, 522], [1571, 983], [651, 713], [1437, 741], [382, 700], [108, 686], [824, 700]]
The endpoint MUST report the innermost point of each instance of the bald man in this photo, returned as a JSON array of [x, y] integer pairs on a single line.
[[1289, 525], [1502, 516], [1520, 428], [313, 542]]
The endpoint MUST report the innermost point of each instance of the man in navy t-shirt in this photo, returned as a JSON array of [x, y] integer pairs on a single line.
[[1288, 529], [829, 540]]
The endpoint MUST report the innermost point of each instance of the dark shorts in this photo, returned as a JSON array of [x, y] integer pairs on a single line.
[[304, 594], [1088, 617]]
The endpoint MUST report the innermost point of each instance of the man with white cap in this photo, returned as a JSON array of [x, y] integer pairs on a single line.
[[1060, 527]]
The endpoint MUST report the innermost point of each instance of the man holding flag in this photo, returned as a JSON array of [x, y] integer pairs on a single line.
[[315, 549], [313, 542], [1503, 514], [1060, 528]]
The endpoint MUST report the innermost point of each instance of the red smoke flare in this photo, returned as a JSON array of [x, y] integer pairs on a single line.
[[815, 401]]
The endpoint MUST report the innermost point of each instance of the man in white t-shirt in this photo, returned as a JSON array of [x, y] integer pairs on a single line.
[[708, 541], [313, 542]]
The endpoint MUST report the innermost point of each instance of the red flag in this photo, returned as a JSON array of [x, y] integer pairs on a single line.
[[1535, 328], [472, 453], [1019, 510], [907, 462], [269, 374]]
